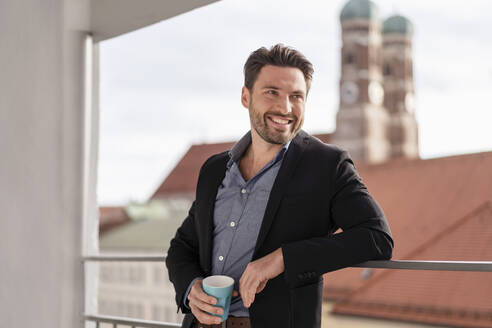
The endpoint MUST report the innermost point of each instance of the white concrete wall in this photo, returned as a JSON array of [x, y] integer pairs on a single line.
[[41, 136], [48, 151]]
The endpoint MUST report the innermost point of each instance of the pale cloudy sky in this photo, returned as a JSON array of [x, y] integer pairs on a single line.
[[178, 82]]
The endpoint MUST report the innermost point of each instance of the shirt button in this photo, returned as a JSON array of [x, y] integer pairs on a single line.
[[233, 224], [221, 258], [243, 191]]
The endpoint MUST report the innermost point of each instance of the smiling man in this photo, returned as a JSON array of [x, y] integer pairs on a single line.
[[266, 211]]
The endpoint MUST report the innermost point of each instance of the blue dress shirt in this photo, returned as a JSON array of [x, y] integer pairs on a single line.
[[238, 213]]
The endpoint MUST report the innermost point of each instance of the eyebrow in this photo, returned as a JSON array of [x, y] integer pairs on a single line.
[[297, 92]]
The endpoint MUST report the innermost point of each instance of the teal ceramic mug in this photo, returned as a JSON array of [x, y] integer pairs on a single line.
[[219, 287]]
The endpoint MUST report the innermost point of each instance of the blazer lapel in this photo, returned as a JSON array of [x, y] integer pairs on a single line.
[[288, 167], [212, 181]]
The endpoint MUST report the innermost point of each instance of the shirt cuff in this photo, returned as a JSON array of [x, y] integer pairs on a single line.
[[185, 297]]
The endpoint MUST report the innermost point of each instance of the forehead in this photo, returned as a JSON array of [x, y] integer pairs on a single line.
[[289, 78]]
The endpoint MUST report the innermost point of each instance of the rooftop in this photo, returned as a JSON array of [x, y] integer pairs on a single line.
[[183, 178], [459, 299]]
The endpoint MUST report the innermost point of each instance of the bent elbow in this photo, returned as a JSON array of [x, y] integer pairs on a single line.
[[385, 245]]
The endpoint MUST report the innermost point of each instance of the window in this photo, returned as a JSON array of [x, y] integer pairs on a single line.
[[159, 278], [349, 58], [387, 70]]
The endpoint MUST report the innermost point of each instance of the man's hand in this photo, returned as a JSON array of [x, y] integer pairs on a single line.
[[257, 274], [200, 303]]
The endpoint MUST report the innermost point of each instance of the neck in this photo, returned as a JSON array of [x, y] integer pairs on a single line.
[[257, 156], [260, 150]]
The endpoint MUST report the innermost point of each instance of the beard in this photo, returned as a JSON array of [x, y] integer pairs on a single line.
[[269, 133]]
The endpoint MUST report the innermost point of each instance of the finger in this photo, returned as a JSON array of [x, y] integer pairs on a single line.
[[235, 293], [261, 286], [244, 283], [249, 294], [202, 296], [204, 317], [252, 299], [243, 293], [203, 306], [247, 286]]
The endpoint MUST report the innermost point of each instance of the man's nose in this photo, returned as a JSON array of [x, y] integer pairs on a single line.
[[284, 106]]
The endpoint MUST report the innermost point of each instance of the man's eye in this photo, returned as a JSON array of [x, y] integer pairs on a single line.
[[272, 92]]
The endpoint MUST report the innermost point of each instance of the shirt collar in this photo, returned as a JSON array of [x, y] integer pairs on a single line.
[[242, 145]]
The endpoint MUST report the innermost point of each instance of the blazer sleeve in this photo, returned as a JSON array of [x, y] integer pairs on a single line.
[[365, 236], [182, 259]]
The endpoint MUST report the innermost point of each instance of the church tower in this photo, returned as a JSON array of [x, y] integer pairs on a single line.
[[362, 120], [398, 87]]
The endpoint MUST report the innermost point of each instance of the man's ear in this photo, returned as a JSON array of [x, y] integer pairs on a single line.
[[245, 96]]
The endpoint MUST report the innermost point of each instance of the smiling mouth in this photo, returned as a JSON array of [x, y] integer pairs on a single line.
[[280, 121]]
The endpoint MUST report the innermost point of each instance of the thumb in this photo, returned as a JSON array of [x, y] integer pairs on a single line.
[[261, 286]]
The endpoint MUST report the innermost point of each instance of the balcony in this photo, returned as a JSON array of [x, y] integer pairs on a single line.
[[113, 321], [49, 118]]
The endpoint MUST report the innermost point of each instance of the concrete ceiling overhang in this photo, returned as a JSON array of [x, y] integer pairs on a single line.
[[111, 18]]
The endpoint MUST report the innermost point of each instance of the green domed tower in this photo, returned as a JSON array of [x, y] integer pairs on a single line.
[[359, 9], [361, 119], [398, 86], [398, 24]]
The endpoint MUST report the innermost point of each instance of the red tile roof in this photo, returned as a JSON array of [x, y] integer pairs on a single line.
[[183, 178], [420, 198], [458, 299], [111, 217]]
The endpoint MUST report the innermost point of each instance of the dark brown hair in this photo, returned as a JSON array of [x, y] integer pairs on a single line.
[[278, 55]]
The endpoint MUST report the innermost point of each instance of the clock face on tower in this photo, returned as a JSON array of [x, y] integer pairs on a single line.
[[376, 93], [349, 92]]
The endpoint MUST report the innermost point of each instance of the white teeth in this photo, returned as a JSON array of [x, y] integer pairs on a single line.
[[280, 121]]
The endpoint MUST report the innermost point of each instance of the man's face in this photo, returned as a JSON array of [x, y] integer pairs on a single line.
[[276, 103]]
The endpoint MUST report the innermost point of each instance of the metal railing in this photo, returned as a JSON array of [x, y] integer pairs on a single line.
[[134, 323], [475, 266]]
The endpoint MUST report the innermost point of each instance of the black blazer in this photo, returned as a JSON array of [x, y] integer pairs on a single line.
[[317, 191]]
